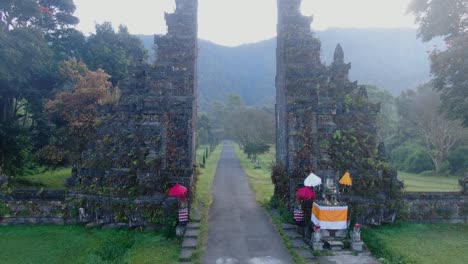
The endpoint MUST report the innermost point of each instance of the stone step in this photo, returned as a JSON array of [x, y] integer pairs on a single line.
[[288, 227], [298, 243], [334, 245], [292, 234], [193, 226], [186, 254], [192, 233], [190, 243]]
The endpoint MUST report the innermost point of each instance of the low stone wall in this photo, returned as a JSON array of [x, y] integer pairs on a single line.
[[435, 207], [32, 207], [29, 207]]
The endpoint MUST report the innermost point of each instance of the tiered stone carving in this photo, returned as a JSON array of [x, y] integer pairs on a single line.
[[324, 122], [147, 141]]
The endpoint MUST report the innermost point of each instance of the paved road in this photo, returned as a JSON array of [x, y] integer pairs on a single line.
[[240, 232]]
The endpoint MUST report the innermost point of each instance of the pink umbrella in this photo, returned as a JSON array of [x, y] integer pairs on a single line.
[[178, 191], [305, 193]]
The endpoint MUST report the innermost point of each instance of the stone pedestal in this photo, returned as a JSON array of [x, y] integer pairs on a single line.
[[357, 245], [180, 230], [464, 184], [317, 246]]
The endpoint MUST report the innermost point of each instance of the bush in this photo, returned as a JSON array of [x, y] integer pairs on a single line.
[[418, 162], [458, 160], [51, 156], [411, 158]]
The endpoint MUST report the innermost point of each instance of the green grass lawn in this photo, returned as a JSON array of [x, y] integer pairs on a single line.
[[76, 244], [48, 179], [421, 183], [419, 243], [203, 195], [260, 179]]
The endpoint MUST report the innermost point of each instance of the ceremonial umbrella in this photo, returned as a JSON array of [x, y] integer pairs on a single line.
[[305, 193], [178, 191], [346, 179], [312, 180]]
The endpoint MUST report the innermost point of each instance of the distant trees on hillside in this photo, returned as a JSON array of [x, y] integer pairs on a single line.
[[253, 128]]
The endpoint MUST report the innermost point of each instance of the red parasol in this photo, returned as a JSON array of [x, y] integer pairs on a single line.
[[305, 193], [178, 191]]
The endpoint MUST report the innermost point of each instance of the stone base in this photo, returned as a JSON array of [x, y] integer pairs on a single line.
[[317, 246], [357, 245], [180, 230]]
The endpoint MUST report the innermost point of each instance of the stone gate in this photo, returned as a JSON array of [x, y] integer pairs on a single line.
[[324, 122]]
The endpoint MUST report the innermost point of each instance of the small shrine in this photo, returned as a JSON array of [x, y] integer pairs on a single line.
[[329, 216]]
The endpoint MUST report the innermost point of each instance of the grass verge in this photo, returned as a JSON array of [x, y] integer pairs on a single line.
[[77, 244], [422, 183], [419, 243], [203, 199], [260, 178]]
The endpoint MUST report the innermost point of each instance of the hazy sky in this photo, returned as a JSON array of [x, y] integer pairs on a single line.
[[234, 22]]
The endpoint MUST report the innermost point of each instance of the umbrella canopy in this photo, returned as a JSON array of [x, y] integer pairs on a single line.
[[312, 180], [346, 179], [178, 191], [305, 193]]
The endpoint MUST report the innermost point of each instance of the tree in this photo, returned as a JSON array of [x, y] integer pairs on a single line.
[[387, 118], [49, 16], [447, 19], [113, 52], [250, 125], [75, 112], [438, 134], [253, 149], [204, 130], [28, 71], [27, 75]]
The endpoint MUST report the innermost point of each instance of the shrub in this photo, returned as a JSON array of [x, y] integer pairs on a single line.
[[418, 162], [411, 158], [51, 156], [458, 160]]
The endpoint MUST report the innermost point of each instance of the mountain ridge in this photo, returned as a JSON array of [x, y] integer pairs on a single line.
[[392, 59]]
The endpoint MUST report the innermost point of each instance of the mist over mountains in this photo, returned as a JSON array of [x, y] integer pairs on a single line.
[[392, 59]]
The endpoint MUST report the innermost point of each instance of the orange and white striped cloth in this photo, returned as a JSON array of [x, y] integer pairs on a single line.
[[330, 217]]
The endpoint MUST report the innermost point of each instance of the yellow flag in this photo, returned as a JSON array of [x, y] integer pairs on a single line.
[[346, 179]]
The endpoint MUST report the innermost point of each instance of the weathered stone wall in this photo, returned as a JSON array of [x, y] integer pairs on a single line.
[[29, 207], [143, 144], [325, 123], [435, 207], [146, 143]]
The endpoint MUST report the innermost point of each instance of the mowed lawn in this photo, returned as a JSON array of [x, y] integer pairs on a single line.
[[421, 183], [260, 178], [419, 243], [49, 179], [76, 244]]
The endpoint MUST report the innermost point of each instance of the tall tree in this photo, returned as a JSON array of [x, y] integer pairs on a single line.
[[438, 135], [28, 70], [114, 51], [447, 19]]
